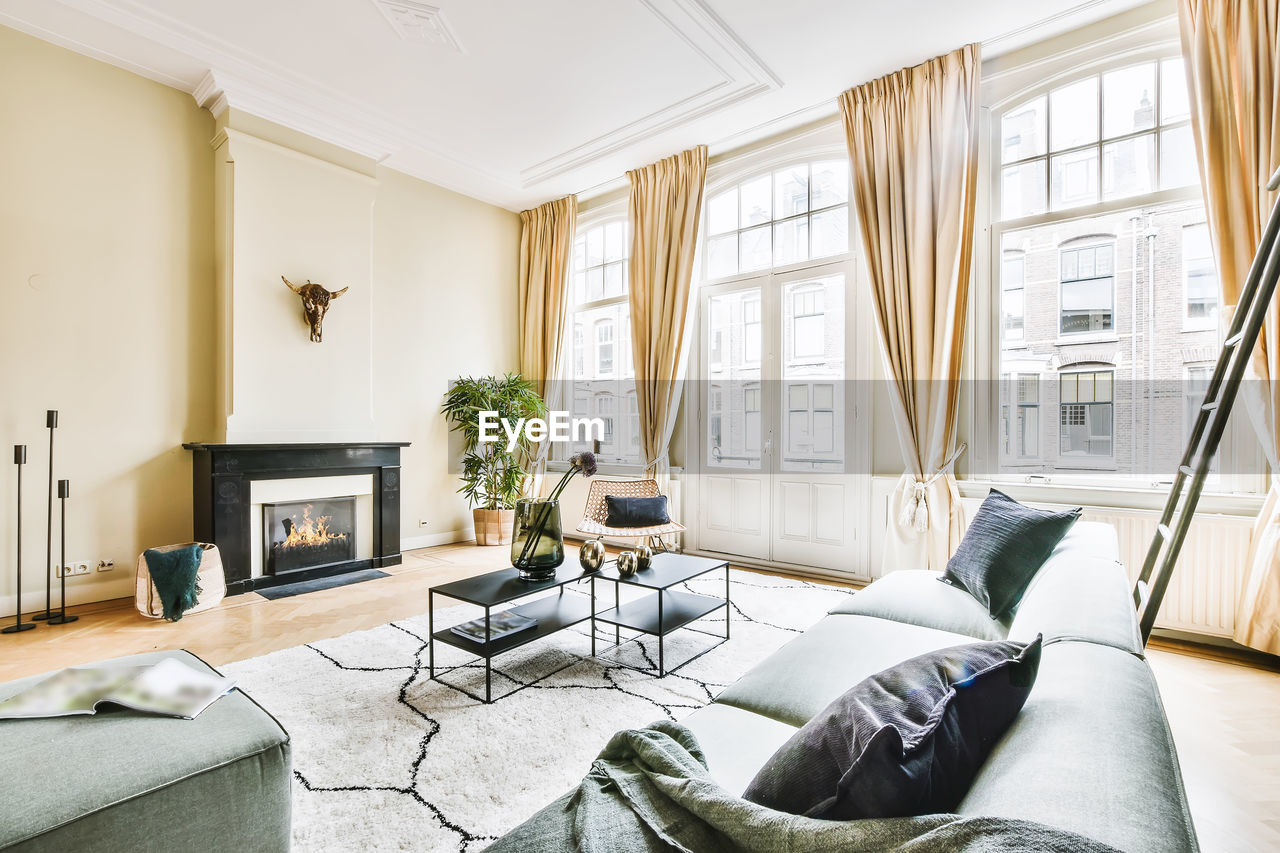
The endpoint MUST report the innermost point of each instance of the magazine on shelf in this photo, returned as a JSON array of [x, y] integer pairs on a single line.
[[501, 625], [169, 688]]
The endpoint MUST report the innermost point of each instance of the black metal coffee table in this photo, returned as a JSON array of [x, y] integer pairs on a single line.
[[665, 609], [493, 589]]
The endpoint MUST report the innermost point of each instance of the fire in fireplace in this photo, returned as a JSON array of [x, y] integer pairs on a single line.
[[308, 534]]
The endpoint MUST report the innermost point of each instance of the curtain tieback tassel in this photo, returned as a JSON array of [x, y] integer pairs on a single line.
[[915, 503]]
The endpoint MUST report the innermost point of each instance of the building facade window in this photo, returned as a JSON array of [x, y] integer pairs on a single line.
[[1012, 303], [1088, 287], [751, 329], [1085, 416], [1199, 277], [602, 378]]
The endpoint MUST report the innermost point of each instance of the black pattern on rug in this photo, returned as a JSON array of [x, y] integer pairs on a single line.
[[617, 677]]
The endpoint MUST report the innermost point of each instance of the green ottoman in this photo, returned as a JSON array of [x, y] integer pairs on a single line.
[[125, 781]]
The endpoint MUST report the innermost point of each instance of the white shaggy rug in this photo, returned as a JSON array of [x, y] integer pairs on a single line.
[[386, 759]]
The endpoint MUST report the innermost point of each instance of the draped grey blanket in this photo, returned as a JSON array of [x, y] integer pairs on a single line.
[[649, 790]]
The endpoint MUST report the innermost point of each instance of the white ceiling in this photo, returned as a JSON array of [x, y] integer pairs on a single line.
[[516, 102]]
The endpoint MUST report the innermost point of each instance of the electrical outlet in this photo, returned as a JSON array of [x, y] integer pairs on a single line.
[[422, 522], [106, 565], [79, 568]]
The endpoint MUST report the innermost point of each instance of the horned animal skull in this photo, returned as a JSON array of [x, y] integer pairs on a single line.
[[315, 302]]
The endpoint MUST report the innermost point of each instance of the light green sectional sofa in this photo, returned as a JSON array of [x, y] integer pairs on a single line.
[[134, 782], [1090, 752]]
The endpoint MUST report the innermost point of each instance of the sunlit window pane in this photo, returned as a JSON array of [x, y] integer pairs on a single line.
[[830, 183], [1022, 190], [722, 256], [1022, 131], [812, 404], [791, 191], [754, 249], [756, 201], [1174, 104], [613, 237], [1178, 167], [722, 212], [613, 280], [830, 232], [1128, 100], [791, 241], [1074, 179], [1129, 167], [595, 247], [732, 333], [1074, 114]]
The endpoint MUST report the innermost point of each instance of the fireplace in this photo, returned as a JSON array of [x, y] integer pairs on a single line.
[[336, 508], [308, 534]]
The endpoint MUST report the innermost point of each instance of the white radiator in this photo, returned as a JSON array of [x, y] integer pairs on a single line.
[[1206, 582]]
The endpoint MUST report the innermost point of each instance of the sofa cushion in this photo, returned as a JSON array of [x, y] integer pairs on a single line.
[[805, 675], [1090, 752], [142, 782], [735, 742], [904, 741], [1005, 545], [915, 597], [1079, 597]]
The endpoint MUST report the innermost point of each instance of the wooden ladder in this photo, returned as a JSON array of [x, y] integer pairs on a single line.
[[1211, 422]]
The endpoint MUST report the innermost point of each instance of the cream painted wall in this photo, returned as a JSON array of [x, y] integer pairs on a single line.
[[106, 270], [445, 269]]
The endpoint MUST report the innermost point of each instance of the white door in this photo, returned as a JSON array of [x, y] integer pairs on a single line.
[[736, 447], [778, 419]]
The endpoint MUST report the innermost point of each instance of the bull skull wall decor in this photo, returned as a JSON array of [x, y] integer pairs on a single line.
[[315, 302]]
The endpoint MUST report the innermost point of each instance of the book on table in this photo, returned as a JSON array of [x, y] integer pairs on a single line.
[[169, 688], [501, 625]]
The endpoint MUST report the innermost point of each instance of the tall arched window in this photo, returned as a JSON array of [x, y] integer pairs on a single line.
[[1096, 258], [601, 317]]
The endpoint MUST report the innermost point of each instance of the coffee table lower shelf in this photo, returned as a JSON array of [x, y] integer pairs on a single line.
[[660, 613], [553, 613]]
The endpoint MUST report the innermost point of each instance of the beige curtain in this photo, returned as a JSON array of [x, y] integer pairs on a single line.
[[546, 242], [664, 209], [913, 144], [1232, 53]]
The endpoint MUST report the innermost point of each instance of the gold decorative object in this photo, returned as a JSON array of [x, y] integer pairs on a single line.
[[315, 302], [644, 557], [627, 563], [591, 555]]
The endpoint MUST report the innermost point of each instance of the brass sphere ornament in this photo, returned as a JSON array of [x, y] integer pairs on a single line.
[[591, 555], [627, 563], [644, 557]]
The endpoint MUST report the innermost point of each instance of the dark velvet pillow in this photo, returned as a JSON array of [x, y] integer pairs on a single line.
[[905, 741], [1005, 545], [636, 512]]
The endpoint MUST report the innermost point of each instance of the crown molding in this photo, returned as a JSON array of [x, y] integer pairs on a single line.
[[742, 76]]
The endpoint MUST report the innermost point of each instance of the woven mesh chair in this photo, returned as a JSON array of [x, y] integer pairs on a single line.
[[597, 511]]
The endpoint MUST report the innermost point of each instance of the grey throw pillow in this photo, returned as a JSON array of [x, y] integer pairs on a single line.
[[1005, 545], [905, 741]]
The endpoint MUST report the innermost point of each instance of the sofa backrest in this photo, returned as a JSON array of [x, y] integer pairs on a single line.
[[1081, 593]]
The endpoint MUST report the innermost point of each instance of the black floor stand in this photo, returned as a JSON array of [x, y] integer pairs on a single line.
[[51, 421], [19, 459], [61, 617]]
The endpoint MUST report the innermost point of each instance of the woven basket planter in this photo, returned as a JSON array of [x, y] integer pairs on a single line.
[[494, 526]]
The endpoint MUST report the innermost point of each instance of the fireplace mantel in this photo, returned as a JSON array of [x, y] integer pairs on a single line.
[[222, 474]]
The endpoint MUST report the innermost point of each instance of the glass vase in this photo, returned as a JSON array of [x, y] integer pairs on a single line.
[[537, 546]]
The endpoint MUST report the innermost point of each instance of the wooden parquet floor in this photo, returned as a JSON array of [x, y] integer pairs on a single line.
[[1224, 715]]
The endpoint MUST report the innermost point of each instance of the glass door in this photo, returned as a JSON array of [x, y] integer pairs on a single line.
[[776, 419]]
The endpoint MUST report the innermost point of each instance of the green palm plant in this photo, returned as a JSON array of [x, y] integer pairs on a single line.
[[493, 477]]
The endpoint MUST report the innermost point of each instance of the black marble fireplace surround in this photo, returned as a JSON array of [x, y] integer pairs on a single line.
[[222, 506]]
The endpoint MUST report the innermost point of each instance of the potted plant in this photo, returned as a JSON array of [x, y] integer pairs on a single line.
[[493, 478]]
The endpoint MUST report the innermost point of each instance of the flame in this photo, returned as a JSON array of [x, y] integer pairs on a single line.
[[311, 532]]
